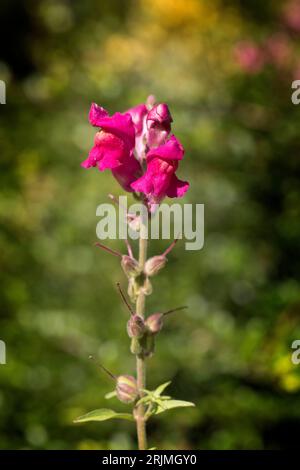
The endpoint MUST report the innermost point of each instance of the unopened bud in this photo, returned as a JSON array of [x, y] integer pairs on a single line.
[[154, 265], [155, 323], [136, 326], [130, 266], [127, 390], [158, 124], [159, 114]]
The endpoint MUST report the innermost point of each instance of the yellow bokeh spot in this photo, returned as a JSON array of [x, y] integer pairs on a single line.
[[290, 382], [283, 365], [172, 13]]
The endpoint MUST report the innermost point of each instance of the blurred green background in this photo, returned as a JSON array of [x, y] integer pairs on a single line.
[[225, 68]]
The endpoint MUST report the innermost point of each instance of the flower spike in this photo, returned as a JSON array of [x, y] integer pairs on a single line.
[[141, 152]]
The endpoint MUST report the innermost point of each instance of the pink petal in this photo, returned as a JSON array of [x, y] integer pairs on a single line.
[[120, 125], [171, 150], [112, 148], [94, 157], [156, 136], [177, 188], [108, 152], [128, 172], [85, 163], [138, 114], [96, 114], [143, 184], [155, 181]]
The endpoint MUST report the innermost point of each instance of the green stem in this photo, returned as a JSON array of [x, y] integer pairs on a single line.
[[140, 361]]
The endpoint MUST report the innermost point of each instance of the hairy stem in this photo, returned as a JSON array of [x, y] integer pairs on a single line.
[[140, 361]]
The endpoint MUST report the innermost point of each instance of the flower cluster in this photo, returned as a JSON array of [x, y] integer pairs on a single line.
[[139, 149]]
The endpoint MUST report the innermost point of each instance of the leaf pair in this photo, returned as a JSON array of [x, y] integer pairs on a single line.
[[155, 402]]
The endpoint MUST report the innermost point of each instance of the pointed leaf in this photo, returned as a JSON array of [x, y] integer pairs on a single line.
[[169, 404], [164, 397], [158, 391], [103, 415]]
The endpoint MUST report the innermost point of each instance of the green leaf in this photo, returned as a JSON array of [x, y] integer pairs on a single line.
[[103, 415], [110, 395], [164, 397], [145, 399], [169, 404], [158, 391]]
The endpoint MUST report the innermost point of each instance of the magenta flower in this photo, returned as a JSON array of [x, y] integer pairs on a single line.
[[160, 179], [113, 146], [126, 141]]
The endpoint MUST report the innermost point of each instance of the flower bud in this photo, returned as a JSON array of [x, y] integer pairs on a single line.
[[130, 266], [154, 265], [136, 326], [158, 125], [155, 323], [159, 114], [127, 390]]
